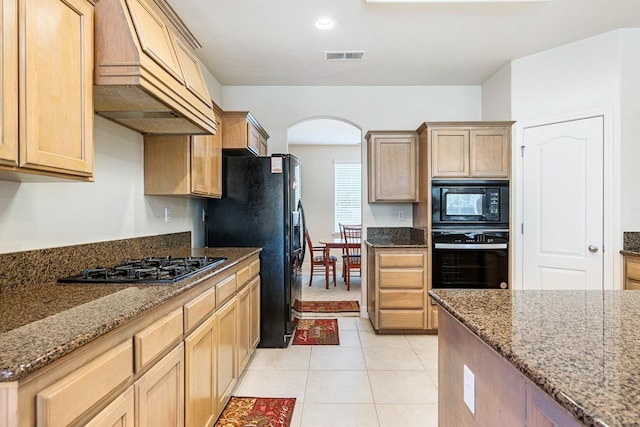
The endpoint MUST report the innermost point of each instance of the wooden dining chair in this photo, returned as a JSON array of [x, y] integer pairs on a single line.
[[353, 242], [317, 254]]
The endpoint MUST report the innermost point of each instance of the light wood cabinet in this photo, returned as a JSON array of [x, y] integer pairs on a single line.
[[226, 351], [47, 98], [119, 413], [469, 149], [254, 313], [631, 272], [248, 300], [243, 133], [201, 402], [159, 393], [397, 279], [147, 76], [183, 165], [393, 166], [67, 399]]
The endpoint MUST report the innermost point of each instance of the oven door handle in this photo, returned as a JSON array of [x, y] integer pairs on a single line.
[[470, 246]]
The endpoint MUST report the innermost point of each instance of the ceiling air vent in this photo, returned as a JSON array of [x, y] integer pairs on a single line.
[[346, 55]]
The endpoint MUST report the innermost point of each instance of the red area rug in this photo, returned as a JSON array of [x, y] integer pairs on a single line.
[[257, 411], [317, 332], [327, 306]]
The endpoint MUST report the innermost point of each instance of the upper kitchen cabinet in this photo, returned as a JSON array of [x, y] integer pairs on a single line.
[[183, 165], [242, 132], [469, 149], [393, 166], [46, 122], [147, 76]]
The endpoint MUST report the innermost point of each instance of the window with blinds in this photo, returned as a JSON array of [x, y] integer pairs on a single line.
[[348, 192]]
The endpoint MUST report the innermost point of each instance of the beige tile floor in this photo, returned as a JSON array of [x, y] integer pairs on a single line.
[[367, 380]]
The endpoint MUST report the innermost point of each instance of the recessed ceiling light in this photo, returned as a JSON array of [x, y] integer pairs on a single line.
[[325, 23]]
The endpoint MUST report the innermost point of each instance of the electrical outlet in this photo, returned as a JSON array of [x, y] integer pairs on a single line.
[[167, 214], [469, 389], [400, 215]]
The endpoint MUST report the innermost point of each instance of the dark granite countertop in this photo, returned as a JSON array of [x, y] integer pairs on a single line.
[[396, 237], [40, 324], [580, 347], [630, 253]]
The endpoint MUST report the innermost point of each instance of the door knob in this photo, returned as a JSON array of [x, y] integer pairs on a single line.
[[593, 249]]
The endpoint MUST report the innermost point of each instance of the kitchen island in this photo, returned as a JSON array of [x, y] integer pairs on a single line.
[[538, 357]]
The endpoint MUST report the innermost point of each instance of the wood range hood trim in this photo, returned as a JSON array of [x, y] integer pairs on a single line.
[[141, 90]]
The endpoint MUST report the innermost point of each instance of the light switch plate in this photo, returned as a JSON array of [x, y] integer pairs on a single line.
[[469, 389]]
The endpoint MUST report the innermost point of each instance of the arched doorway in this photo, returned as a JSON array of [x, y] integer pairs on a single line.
[[329, 149]]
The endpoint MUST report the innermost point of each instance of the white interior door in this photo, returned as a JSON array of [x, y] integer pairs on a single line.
[[563, 205]]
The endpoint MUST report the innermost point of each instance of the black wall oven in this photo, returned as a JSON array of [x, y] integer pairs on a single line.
[[470, 259], [470, 203]]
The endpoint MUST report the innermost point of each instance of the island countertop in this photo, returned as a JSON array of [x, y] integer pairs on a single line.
[[580, 347], [42, 324]]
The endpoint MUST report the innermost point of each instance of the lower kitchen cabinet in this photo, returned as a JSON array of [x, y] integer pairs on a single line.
[[226, 351], [201, 402], [159, 394], [397, 284], [175, 365], [119, 413], [631, 272]]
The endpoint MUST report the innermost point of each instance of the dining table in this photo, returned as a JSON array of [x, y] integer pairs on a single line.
[[334, 243]]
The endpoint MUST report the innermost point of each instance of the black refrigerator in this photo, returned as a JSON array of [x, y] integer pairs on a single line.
[[260, 207]]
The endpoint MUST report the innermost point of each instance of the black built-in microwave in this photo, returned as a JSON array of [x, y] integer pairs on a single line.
[[470, 203]]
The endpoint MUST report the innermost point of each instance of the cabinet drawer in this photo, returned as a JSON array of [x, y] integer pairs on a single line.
[[225, 289], [196, 310], [402, 319], [158, 336], [403, 260], [64, 401], [120, 412], [243, 276], [396, 278], [633, 269], [401, 299]]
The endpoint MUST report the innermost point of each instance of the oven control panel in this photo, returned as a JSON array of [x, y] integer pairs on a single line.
[[471, 237]]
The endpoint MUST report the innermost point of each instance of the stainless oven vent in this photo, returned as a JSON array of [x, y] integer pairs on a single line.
[[345, 55]]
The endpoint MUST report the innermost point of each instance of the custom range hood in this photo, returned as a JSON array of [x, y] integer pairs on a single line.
[[147, 76]]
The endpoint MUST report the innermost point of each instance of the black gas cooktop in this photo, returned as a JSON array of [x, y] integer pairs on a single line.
[[147, 270]]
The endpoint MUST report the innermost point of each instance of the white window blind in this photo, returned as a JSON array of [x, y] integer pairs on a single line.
[[348, 191]]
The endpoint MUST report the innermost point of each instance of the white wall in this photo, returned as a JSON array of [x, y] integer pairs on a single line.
[[318, 183], [597, 75], [630, 131], [66, 212], [368, 107], [496, 96]]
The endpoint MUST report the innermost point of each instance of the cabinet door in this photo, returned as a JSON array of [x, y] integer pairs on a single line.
[[215, 163], [200, 375], [56, 90], [254, 311], [632, 273], [155, 37], [243, 300], [449, 153], [489, 153], [119, 413], [200, 164], [193, 79], [160, 392], [393, 168], [226, 351], [254, 138], [8, 84]]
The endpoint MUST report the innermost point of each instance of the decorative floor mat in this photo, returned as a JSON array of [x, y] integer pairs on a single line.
[[257, 411], [317, 332], [327, 306]]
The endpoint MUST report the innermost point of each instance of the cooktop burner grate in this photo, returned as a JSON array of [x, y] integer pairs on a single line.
[[147, 270]]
